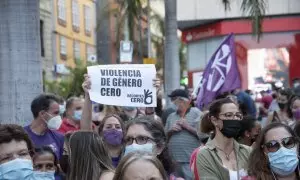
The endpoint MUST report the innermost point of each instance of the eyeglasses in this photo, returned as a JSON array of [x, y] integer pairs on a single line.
[[231, 115], [273, 146], [139, 140]]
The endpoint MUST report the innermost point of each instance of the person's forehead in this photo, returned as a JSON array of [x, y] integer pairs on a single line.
[[111, 120], [44, 158], [12, 147], [137, 130], [54, 106], [142, 169], [229, 107], [277, 134], [296, 102]]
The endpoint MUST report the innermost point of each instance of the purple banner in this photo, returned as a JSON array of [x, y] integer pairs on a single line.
[[221, 73]]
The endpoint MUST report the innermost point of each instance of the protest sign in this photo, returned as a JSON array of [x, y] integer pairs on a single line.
[[123, 84]]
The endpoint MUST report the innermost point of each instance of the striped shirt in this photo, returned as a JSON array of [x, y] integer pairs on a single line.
[[183, 143]]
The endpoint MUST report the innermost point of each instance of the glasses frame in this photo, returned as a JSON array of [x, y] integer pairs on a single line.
[[132, 139], [234, 116], [281, 143]]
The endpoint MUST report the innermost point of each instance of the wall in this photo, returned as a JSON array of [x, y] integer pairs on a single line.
[[214, 9], [71, 35], [46, 17]]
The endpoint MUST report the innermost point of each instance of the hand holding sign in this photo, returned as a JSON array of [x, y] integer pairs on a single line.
[[86, 85]]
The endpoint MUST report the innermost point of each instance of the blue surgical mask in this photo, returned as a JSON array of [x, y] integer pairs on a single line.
[[148, 148], [62, 109], [38, 175], [77, 115], [16, 169], [284, 161]]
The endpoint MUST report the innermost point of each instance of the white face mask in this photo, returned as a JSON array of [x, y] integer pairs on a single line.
[[54, 123]]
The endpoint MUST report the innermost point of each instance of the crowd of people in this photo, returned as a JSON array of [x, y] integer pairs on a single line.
[[236, 137]]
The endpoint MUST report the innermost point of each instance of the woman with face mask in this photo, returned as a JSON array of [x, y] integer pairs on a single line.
[[144, 134], [222, 157], [282, 115], [111, 129], [276, 154], [294, 109]]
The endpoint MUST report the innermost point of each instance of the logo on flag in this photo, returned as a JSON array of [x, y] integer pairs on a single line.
[[221, 74]]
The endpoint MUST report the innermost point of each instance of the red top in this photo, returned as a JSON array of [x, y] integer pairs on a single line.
[[67, 126]]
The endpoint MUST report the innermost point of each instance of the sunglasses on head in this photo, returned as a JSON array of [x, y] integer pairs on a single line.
[[273, 146]]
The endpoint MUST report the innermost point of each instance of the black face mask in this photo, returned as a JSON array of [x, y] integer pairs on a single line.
[[64, 163], [282, 105], [231, 128]]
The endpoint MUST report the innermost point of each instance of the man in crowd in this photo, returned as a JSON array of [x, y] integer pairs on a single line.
[[71, 121], [15, 155], [181, 127], [47, 120], [246, 100]]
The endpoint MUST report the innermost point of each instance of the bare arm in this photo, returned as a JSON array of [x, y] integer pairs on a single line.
[[86, 120]]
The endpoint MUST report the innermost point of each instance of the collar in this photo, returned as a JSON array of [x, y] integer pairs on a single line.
[[68, 122], [187, 111], [211, 146]]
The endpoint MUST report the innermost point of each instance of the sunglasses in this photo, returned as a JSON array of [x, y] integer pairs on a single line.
[[273, 146]]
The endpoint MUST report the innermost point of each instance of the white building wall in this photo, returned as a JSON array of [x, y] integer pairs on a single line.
[[214, 9]]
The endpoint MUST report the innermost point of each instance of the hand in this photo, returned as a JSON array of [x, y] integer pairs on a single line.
[[156, 83], [182, 123], [176, 128], [86, 85]]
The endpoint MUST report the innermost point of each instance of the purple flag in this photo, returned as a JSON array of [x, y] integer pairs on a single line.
[[221, 73]]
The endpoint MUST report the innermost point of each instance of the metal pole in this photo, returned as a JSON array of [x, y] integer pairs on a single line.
[[149, 29]]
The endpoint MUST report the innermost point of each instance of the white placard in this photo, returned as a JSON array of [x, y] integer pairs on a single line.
[[197, 76], [123, 84]]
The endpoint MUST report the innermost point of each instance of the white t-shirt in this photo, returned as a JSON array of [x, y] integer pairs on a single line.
[[233, 174]]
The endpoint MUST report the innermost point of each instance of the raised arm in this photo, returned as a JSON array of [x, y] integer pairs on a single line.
[[86, 120]]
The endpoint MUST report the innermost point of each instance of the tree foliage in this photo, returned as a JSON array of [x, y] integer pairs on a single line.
[[69, 85], [256, 9]]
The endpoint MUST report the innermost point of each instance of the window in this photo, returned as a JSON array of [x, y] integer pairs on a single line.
[[75, 15], [87, 20], [76, 47], [42, 38], [63, 47], [61, 11], [89, 51]]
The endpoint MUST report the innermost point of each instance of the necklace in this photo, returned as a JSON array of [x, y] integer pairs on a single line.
[[226, 155]]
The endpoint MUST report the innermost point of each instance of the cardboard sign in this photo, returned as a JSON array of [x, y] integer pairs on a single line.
[[123, 84]]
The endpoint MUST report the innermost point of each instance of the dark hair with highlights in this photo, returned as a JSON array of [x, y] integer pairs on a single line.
[[156, 129], [102, 123], [88, 156], [258, 165]]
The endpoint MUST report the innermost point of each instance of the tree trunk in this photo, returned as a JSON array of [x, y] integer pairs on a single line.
[[171, 63], [20, 59]]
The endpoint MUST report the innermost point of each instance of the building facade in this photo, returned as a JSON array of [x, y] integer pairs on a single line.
[[204, 24], [73, 33], [46, 38], [109, 34]]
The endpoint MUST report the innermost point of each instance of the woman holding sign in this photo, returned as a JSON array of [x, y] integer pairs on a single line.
[[111, 127]]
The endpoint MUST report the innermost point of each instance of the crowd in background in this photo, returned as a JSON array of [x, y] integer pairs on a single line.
[[240, 135]]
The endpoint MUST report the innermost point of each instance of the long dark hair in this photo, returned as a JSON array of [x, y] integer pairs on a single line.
[[89, 157], [258, 165], [157, 131]]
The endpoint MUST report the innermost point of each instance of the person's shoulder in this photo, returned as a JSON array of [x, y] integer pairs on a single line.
[[57, 134], [245, 148], [108, 175]]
